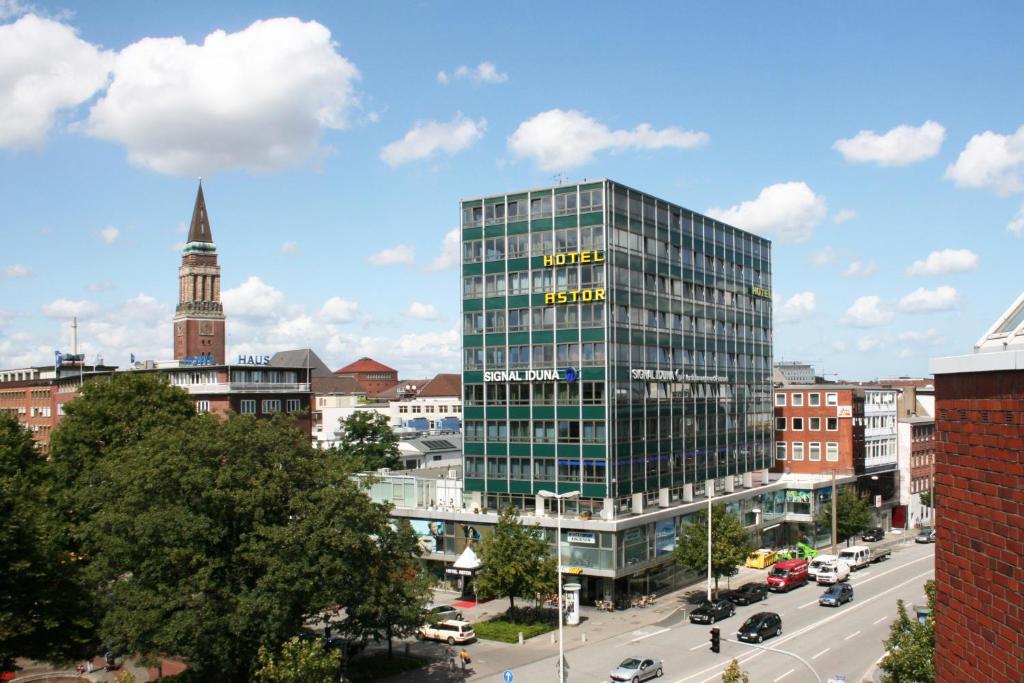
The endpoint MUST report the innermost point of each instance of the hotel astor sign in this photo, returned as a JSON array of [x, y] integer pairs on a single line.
[[573, 295]]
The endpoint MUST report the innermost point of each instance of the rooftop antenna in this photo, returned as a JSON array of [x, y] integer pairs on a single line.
[[74, 335], [559, 178]]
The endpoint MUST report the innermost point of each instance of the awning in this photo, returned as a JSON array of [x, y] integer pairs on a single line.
[[467, 564]]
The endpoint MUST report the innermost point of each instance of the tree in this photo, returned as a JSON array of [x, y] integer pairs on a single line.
[[734, 674], [398, 591], [926, 498], [729, 541], [218, 537], [853, 515], [910, 646], [40, 602], [515, 560], [300, 661], [368, 441]]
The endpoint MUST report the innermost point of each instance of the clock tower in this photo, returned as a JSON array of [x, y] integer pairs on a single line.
[[199, 317]]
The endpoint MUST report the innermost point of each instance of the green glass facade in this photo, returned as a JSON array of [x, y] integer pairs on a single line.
[[614, 343]]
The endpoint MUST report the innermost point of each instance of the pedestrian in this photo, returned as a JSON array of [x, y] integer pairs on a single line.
[[89, 666], [466, 661], [450, 654]]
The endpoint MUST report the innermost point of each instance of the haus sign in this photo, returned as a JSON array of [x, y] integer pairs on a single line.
[[252, 359]]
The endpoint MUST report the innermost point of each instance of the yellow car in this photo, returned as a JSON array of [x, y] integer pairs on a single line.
[[760, 559]]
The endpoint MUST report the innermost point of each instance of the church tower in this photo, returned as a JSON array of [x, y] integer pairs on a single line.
[[199, 317]]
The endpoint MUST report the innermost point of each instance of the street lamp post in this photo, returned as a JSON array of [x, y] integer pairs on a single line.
[[710, 487], [559, 497]]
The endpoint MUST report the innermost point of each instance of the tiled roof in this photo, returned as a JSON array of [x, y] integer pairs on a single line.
[[364, 365], [443, 385], [407, 387]]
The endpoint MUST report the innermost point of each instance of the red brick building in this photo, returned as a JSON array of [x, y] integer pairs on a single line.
[[374, 377], [979, 489]]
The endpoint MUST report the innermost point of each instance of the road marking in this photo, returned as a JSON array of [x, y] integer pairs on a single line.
[[707, 645], [812, 602], [879, 621], [776, 680], [852, 635], [654, 633], [821, 653]]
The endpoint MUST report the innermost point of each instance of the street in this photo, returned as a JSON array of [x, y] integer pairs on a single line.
[[844, 641]]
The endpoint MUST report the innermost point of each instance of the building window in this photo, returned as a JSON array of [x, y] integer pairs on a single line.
[[293, 405], [247, 406], [472, 251], [202, 406], [832, 399], [780, 450], [832, 424], [832, 451], [780, 400], [798, 450], [814, 424], [798, 399], [271, 405], [814, 400], [798, 424], [780, 424], [814, 451]]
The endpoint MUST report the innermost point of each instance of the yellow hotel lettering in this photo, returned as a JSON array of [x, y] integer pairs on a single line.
[[573, 296], [574, 257]]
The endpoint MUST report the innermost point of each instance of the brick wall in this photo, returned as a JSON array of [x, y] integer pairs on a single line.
[[979, 483]]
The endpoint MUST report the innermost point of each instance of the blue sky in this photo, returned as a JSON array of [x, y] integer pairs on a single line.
[[862, 139]]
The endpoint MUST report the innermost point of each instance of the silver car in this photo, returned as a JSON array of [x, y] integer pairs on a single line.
[[635, 670]]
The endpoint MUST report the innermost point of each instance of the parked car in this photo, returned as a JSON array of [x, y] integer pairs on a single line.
[[443, 613], [748, 593], [872, 535], [451, 631], [836, 595], [760, 626], [635, 670], [926, 536], [818, 562], [857, 556], [710, 612], [787, 575], [833, 572]]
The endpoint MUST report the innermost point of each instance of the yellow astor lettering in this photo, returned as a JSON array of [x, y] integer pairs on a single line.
[[573, 296]]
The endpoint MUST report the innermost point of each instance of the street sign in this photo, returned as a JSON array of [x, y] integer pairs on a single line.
[[508, 676]]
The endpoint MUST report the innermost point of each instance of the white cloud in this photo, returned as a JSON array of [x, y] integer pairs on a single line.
[[422, 311], [858, 268], [992, 161], [67, 308], [900, 146], [109, 234], [253, 298], [44, 68], [338, 310], [15, 271], [840, 345], [259, 99], [867, 311], [442, 77], [823, 256], [843, 215], [427, 138], [449, 256], [558, 139], [800, 306], [394, 256], [484, 72], [923, 300], [944, 262], [1016, 225], [789, 211], [145, 308], [13, 8], [290, 248]]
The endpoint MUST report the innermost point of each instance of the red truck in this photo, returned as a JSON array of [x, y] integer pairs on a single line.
[[787, 574]]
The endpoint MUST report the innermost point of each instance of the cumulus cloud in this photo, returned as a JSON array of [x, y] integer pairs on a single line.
[[867, 311], [788, 211], [449, 256], [68, 308], [109, 234], [858, 268], [798, 307], [402, 254], [290, 248], [15, 271], [823, 256], [259, 99], [944, 262], [338, 310], [992, 161], [923, 300], [44, 68], [253, 298], [145, 308], [484, 72], [1016, 224], [900, 146], [843, 215], [427, 138], [422, 311], [557, 139]]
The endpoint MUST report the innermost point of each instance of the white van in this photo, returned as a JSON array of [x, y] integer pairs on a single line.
[[833, 572], [818, 562], [857, 556]]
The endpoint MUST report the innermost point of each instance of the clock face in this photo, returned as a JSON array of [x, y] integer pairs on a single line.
[[206, 328]]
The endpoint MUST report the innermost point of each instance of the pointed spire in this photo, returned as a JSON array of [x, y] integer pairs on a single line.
[[200, 228]]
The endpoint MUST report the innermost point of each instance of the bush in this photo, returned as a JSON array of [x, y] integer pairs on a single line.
[[506, 631], [531, 615]]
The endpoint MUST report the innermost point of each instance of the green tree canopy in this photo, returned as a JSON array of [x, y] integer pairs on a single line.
[[300, 661], [853, 515], [368, 441], [910, 646], [734, 674], [730, 543], [515, 560], [218, 537]]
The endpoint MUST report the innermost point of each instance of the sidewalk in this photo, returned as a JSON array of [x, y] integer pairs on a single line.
[[31, 670]]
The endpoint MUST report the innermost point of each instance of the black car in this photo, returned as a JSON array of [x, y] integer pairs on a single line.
[[748, 593], [836, 595], [760, 626], [710, 612], [876, 534]]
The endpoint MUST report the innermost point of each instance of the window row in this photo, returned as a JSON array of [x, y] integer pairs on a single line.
[[247, 406], [540, 394], [537, 355], [796, 450], [667, 286], [692, 359], [568, 316], [534, 431], [543, 469], [561, 204], [813, 424], [543, 243], [537, 281], [665, 320], [689, 258], [796, 399]]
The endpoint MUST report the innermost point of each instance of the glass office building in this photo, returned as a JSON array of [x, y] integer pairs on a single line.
[[614, 343]]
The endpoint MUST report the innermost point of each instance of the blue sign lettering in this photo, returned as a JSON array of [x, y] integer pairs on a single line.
[[200, 360], [571, 374], [251, 359]]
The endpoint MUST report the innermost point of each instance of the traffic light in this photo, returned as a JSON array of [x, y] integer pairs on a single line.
[[715, 640]]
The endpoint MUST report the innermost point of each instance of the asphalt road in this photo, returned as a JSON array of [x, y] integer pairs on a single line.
[[830, 641]]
